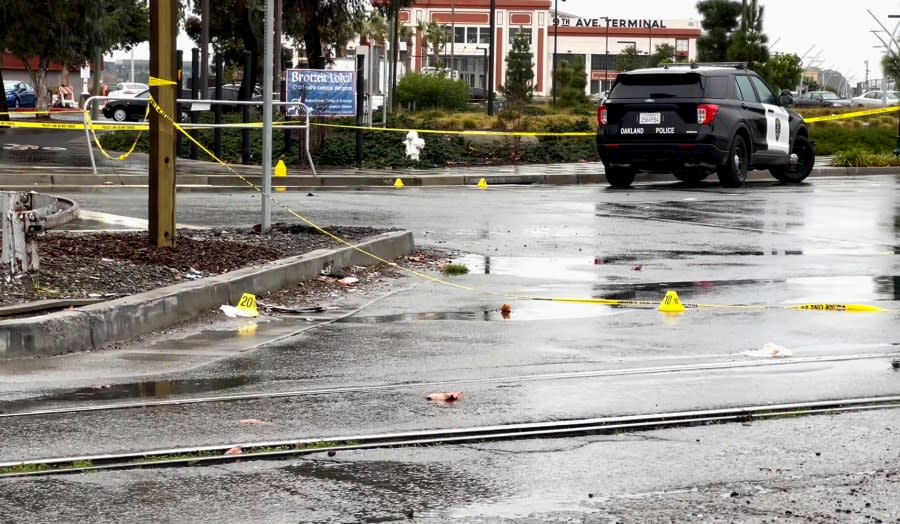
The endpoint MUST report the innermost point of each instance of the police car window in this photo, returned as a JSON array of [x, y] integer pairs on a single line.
[[765, 94], [716, 87], [745, 89], [657, 86]]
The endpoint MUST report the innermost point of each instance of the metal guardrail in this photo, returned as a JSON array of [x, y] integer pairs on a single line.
[[294, 110]]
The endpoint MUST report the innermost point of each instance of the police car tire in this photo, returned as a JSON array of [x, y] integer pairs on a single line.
[[734, 172], [119, 115], [806, 159], [619, 177], [692, 176]]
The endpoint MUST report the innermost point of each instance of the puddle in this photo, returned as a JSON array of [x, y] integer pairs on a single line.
[[138, 390], [589, 269], [520, 311]]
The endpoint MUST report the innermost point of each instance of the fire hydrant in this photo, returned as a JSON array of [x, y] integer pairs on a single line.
[[414, 145]]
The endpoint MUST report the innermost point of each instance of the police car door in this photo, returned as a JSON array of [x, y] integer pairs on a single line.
[[778, 133], [754, 113]]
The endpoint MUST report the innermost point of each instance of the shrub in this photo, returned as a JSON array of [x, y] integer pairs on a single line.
[[858, 157], [419, 92]]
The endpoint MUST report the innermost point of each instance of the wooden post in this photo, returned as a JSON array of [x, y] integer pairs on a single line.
[[163, 30]]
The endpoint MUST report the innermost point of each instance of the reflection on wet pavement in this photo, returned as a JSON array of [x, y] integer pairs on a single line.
[[137, 390]]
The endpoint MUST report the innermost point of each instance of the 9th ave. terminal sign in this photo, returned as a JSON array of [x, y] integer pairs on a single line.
[[325, 92]]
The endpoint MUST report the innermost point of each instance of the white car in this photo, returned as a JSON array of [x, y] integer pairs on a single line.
[[127, 89], [876, 99]]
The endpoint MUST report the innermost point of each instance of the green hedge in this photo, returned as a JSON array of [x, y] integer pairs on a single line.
[[419, 92]]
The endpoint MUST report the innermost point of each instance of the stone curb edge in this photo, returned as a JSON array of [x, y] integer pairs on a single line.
[[92, 327], [201, 182]]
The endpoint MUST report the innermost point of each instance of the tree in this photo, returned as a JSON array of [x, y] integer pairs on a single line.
[[665, 54], [719, 19], [630, 59], [435, 37], [4, 13], [70, 33], [519, 85], [782, 71], [571, 81], [749, 42], [890, 66]]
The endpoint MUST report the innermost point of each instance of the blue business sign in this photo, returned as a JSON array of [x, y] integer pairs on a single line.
[[325, 92]]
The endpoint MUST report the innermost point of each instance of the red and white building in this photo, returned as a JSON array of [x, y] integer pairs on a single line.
[[596, 40]]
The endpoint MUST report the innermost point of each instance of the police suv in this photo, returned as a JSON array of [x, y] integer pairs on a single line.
[[695, 120]]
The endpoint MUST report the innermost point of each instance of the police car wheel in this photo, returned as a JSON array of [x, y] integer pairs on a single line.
[[119, 115], [734, 172], [692, 176], [619, 177], [803, 158]]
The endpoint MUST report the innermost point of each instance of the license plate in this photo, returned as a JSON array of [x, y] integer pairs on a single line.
[[649, 118]]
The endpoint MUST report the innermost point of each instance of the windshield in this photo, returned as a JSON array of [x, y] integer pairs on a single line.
[[657, 86], [9, 85]]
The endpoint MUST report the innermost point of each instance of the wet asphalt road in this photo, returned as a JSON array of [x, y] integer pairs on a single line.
[[830, 241]]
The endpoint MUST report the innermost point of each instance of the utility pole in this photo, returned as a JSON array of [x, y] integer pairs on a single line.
[[163, 29], [204, 48], [490, 87], [452, 37]]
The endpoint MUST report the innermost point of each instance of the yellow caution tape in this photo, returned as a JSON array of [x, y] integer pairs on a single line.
[[156, 82], [854, 114], [854, 308], [74, 126], [123, 156], [469, 133]]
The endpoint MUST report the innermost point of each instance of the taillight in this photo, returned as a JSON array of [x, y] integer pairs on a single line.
[[601, 115], [706, 113]]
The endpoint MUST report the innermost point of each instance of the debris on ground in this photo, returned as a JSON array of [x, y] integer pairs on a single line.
[[451, 396], [234, 451], [770, 350], [115, 264], [252, 422]]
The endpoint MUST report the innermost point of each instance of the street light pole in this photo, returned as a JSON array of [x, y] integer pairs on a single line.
[[606, 54], [490, 64], [555, 45]]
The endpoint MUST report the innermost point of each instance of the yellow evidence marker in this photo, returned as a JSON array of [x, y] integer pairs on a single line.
[[671, 303]]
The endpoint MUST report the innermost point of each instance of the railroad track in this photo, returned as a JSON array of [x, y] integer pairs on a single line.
[[280, 450]]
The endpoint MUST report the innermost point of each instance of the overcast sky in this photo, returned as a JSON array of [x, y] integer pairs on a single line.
[[840, 30]]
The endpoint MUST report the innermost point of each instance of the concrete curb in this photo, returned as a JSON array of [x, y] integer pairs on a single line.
[[94, 326], [201, 179]]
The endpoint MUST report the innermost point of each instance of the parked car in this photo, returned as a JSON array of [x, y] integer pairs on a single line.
[[820, 99], [127, 89], [19, 94], [233, 92], [876, 99], [134, 108], [693, 121]]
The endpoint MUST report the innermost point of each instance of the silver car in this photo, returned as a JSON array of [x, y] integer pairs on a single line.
[[876, 99]]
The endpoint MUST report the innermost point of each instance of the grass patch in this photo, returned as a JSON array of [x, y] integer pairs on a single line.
[[455, 269], [859, 157]]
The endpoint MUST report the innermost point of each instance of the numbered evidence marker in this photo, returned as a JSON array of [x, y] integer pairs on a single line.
[[671, 303], [246, 307]]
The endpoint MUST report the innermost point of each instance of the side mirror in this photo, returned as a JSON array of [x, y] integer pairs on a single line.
[[785, 98]]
